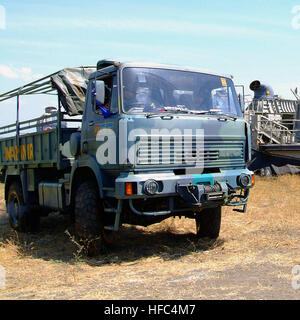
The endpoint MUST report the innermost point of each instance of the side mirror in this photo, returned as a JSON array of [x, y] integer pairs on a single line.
[[240, 90], [100, 91], [241, 101]]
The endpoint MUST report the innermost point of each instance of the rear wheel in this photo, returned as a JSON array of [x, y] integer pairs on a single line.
[[208, 223], [20, 217], [88, 214]]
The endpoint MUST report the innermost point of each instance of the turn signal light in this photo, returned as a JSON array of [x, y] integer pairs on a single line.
[[253, 180], [128, 188]]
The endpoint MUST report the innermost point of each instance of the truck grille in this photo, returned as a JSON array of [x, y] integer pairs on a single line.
[[172, 151]]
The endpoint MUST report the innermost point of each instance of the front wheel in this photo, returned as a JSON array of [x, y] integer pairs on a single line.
[[88, 212], [208, 223]]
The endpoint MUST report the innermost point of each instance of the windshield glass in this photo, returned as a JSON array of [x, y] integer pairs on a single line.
[[151, 90]]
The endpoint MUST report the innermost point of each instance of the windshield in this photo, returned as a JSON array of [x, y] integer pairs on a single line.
[[151, 90]]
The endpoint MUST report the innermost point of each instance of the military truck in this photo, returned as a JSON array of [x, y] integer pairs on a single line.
[[152, 142]]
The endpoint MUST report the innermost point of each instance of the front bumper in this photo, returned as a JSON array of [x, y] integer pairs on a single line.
[[197, 190]]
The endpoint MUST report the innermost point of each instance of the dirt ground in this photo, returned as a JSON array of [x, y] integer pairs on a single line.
[[252, 259]]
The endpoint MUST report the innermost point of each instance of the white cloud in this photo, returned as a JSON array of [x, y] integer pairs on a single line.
[[186, 27], [7, 72], [23, 73], [169, 26]]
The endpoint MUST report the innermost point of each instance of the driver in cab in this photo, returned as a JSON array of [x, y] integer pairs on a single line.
[[143, 98]]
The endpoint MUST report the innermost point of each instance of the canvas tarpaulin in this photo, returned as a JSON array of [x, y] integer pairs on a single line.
[[71, 85]]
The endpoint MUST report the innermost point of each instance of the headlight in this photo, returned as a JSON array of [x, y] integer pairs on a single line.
[[245, 180], [151, 187]]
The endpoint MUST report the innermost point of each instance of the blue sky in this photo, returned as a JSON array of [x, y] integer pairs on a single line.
[[249, 39]]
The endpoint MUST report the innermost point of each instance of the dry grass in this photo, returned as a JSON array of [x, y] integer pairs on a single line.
[[252, 258]]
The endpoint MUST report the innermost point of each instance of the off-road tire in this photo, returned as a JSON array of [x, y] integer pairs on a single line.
[[208, 223], [21, 218], [88, 214]]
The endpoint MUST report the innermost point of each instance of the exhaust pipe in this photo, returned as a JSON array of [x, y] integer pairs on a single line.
[[261, 91]]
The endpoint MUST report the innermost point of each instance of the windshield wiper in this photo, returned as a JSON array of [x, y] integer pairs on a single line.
[[198, 111], [222, 115], [227, 117], [161, 115], [210, 111], [167, 111], [176, 109], [184, 109]]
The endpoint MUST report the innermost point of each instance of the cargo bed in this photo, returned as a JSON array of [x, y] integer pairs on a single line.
[[38, 148]]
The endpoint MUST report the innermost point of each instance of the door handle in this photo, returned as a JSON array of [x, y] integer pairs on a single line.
[[85, 147], [91, 123]]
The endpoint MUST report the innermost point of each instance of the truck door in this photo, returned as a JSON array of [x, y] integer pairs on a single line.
[[96, 126]]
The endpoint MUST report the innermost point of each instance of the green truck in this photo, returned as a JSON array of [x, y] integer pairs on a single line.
[[132, 143]]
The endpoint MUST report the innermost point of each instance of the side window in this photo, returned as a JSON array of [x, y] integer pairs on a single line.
[[114, 96], [111, 95]]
